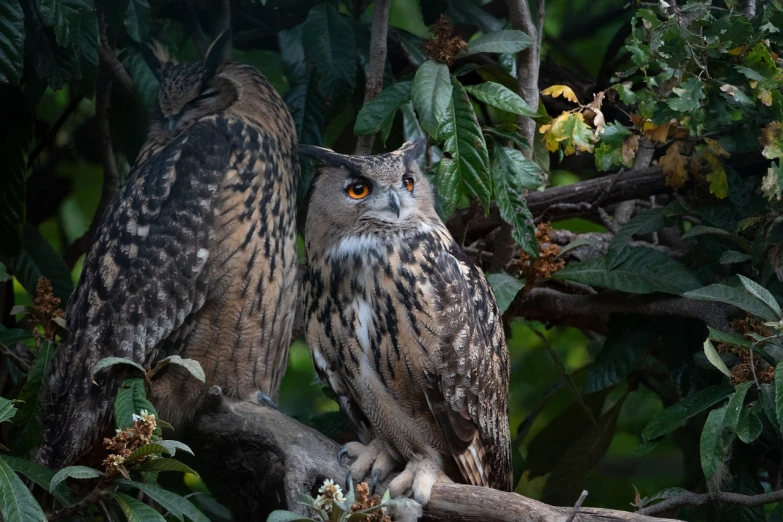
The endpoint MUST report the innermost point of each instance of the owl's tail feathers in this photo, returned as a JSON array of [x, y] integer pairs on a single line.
[[472, 463], [76, 413]]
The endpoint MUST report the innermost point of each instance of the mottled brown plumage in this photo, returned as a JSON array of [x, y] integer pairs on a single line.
[[404, 327], [196, 256]]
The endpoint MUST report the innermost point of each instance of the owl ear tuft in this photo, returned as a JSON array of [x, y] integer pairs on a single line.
[[156, 57], [328, 157], [412, 150], [218, 52]]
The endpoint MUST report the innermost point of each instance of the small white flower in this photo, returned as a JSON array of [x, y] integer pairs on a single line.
[[135, 417], [327, 483]]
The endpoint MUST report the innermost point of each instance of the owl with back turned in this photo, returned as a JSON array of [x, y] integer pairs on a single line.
[[403, 327], [195, 257]]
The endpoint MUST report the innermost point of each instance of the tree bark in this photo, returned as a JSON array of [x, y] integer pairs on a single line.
[[259, 459], [380, 28]]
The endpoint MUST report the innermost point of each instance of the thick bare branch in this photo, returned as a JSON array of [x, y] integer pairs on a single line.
[[259, 459], [106, 53], [695, 499], [378, 48], [592, 312], [528, 60]]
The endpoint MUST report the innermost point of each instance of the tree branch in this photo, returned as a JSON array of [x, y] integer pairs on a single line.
[[695, 499], [106, 53], [380, 27], [750, 9], [50, 137], [592, 312], [259, 459], [111, 176], [528, 61], [196, 32]]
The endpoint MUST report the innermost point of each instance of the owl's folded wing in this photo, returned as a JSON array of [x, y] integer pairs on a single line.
[[140, 281], [468, 388]]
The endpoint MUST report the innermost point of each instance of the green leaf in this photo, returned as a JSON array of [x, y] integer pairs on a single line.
[[505, 288], [500, 97], [677, 415], [11, 42], [688, 96], [27, 428], [467, 170], [107, 362], [136, 511], [39, 474], [624, 349], [379, 112], [14, 147], [503, 41], [144, 80], [330, 46], [165, 465], [151, 448], [643, 223], [52, 15], [627, 96], [731, 256], [779, 393], [77, 472], [178, 506], [174, 445], [768, 404], [713, 443], [286, 516], [431, 94], [714, 358], [762, 294], [4, 275], [640, 270], [38, 259], [510, 133], [16, 502], [7, 410], [137, 20], [511, 172], [719, 430], [734, 296], [191, 365], [749, 427], [567, 478], [610, 151], [664, 494], [11, 336], [131, 399]]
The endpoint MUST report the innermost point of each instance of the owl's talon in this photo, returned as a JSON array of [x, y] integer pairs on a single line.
[[348, 481], [262, 398], [340, 454], [374, 483]]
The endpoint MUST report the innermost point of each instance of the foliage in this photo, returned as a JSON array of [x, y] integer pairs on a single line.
[[678, 389]]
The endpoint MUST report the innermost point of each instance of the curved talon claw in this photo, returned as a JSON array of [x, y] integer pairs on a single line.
[[348, 481], [374, 482], [340, 454], [263, 398]]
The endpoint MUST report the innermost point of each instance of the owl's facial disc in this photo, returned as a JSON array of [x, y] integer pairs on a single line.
[[386, 203]]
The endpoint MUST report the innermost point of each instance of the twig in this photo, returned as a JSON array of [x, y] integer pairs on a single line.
[[93, 497], [50, 137], [106, 52], [528, 62], [578, 505], [725, 497], [374, 84], [21, 363], [111, 176]]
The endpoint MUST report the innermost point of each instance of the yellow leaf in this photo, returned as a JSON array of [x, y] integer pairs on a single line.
[[765, 96], [629, 149], [716, 148], [561, 90], [772, 139], [673, 164], [656, 133], [736, 51], [719, 185], [753, 84]]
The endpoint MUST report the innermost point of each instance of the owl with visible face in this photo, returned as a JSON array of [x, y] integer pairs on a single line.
[[403, 327], [195, 257]]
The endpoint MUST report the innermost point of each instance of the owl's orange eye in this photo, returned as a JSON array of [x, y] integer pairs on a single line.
[[408, 182], [358, 190]]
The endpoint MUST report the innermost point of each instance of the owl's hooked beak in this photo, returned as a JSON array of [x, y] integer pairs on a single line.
[[394, 202], [173, 123]]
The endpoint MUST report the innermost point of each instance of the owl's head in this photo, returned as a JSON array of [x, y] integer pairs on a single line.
[[189, 91], [358, 194]]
